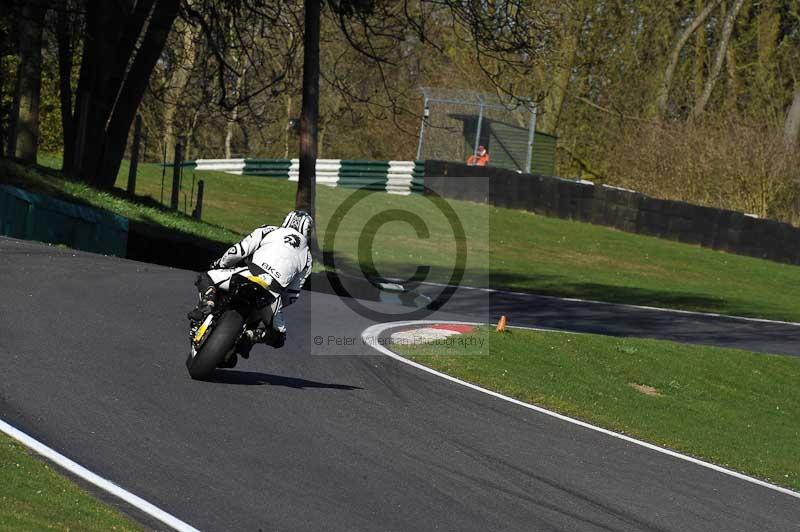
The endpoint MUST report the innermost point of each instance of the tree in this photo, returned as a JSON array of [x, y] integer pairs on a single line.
[[66, 25], [24, 138], [680, 42], [185, 54], [259, 39], [378, 31], [719, 59], [309, 113], [122, 43], [570, 26], [791, 128], [248, 60]]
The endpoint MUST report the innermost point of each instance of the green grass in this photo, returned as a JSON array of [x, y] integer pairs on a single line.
[[140, 209], [734, 408], [507, 249], [35, 497]]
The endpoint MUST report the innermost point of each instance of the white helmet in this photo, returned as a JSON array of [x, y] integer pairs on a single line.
[[300, 221]]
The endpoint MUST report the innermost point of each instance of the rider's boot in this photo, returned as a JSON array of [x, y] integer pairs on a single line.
[[261, 335], [248, 340]]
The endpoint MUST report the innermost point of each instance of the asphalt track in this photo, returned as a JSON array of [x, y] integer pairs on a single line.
[[625, 320], [91, 355]]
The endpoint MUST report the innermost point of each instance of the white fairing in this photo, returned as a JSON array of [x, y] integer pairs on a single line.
[[283, 253]]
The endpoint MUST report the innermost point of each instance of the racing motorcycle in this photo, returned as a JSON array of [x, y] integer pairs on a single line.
[[246, 306]]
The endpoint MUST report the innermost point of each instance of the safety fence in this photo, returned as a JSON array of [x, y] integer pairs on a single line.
[[394, 177], [35, 217]]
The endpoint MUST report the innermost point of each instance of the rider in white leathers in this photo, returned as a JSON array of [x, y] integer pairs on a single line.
[[278, 257]]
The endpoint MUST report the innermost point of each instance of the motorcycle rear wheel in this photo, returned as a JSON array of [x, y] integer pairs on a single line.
[[222, 340]]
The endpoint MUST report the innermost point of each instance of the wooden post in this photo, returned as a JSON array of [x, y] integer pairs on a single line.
[[198, 206], [176, 176], [137, 138]]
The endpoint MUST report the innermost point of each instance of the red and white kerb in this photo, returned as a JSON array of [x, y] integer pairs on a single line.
[[430, 333]]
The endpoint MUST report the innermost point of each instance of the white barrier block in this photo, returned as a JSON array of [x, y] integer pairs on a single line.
[[220, 165]]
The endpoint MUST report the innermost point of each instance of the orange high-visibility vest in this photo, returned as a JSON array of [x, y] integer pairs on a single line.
[[480, 160]]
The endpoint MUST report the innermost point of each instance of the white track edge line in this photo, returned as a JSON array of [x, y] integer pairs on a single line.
[[98, 481], [626, 305], [370, 337]]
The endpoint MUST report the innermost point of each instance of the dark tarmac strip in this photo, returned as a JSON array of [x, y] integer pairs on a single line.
[[92, 353], [626, 320]]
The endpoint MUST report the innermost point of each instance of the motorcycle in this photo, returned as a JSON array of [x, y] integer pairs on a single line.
[[246, 305]]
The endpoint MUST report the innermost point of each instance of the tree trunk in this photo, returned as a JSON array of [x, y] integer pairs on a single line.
[[229, 123], [5, 112], [192, 126], [733, 80], [177, 86], [65, 54], [719, 59], [554, 99], [791, 128], [245, 137], [94, 116], [309, 115], [25, 134], [10, 14], [234, 115], [290, 131], [699, 52], [680, 42], [132, 91], [113, 30], [95, 40], [3, 131]]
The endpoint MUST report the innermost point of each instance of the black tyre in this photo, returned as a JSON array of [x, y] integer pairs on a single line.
[[221, 341]]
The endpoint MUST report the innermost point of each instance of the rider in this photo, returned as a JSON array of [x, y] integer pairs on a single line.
[[278, 256]]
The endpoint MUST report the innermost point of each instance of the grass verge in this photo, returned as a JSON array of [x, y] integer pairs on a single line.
[[35, 497], [139, 208], [730, 407], [512, 249]]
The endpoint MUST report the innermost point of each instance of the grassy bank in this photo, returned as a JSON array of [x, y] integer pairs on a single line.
[[507, 249], [34, 497], [141, 208], [733, 408]]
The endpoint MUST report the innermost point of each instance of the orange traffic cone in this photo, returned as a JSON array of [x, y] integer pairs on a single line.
[[501, 325]]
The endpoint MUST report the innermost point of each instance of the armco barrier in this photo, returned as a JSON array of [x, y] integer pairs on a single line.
[[622, 209], [394, 177], [34, 217]]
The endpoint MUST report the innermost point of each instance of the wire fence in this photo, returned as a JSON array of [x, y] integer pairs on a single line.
[[456, 122]]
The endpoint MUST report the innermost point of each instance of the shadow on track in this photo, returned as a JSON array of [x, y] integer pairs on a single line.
[[254, 378]]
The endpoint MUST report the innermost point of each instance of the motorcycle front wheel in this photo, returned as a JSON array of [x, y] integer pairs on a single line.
[[222, 340]]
